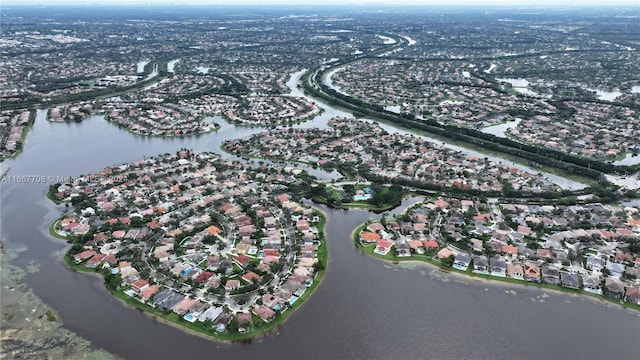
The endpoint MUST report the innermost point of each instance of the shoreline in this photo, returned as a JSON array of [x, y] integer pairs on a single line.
[[495, 280]]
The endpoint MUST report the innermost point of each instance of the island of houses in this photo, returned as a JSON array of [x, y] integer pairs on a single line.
[[365, 147], [215, 245]]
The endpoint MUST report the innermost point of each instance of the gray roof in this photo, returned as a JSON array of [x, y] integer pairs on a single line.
[[570, 279], [462, 257], [480, 261], [210, 314], [497, 263], [591, 281]]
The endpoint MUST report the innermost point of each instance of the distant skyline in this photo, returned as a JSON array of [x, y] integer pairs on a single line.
[[562, 3]]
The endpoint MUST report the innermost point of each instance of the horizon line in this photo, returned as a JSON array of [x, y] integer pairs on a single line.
[[319, 4]]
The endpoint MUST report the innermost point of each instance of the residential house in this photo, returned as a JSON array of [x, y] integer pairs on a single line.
[[510, 250], [403, 249], [515, 271], [550, 275], [462, 261], [632, 295], [613, 288], [592, 284], [263, 312], [148, 292], [80, 257], [444, 253], [531, 272], [480, 264], [430, 244], [476, 245], [594, 263], [616, 270], [570, 280], [140, 285], [211, 313], [383, 247], [498, 267], [231, 285]]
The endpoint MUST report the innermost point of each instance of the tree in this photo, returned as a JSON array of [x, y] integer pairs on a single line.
[[448, 261]]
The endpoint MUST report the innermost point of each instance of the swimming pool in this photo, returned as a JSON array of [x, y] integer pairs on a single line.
[[299, 293], [190, 318], [277, 307], [293, 299]]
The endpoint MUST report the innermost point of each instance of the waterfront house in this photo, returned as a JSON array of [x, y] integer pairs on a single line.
[[515, 271], [403, 249], [531, 272], [263, 312], [480, 264], [369, 237], [416, 246], [148, 292], [570, 280], [498, 267], [613, 288], [140, 285], [243, 318], [632, 295], [95, 260], [550, 275], [445, 253], [592, 284], [211, 313], [383, 247], [462, 261], [78, 258]]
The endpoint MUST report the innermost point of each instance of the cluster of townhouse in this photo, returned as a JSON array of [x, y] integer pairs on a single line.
[[59, 69], [272, 110], [75, 112], [13, 126], [47, 59], [211, 240], [176, 106], [554, 73], [259, 79], [157, 119], [584, 247], [450, 92], [595, 130], [357, 144]]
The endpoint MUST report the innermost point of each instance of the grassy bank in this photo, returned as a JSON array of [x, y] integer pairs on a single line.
[[52, 231]]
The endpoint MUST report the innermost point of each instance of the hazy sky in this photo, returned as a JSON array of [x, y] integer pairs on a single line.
[[336, 2]]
